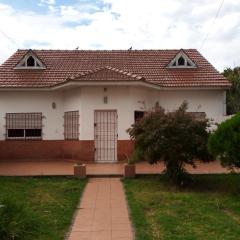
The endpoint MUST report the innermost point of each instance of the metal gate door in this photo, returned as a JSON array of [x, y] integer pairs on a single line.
[[105, 135]]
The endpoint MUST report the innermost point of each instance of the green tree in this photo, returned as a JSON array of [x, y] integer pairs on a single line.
[[233, 94], [224, 143], [175, 138]]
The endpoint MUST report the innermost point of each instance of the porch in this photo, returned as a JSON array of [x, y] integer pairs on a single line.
[[62, 168]]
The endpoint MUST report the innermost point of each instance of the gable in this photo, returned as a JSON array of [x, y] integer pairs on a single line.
[[182, 60], [107, 73], [30, 61]]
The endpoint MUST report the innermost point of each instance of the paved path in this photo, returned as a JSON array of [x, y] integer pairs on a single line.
[[53, 167], [103, 213]]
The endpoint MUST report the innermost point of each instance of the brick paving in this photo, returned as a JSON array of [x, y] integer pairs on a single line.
[[54, 167], [103, 212]]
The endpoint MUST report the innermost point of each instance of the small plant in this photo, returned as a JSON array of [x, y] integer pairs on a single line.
[[175, 138], [224, 143], [134, 158], [16, 221], [130, 160], [129, 167]]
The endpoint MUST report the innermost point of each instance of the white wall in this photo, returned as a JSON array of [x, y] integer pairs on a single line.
[[87, 99], [92, 99], [210, 101], [17, 102]]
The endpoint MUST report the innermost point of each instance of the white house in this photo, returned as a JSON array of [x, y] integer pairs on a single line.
[[78, 104]]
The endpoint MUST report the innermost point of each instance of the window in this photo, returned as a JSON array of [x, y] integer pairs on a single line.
[[138, 115], [71, 125], [30, 60], [24, 125], [200, 116], [181, 60]]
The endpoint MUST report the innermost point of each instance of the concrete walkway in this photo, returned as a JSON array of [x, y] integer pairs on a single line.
[[103, 212], [54, 167]]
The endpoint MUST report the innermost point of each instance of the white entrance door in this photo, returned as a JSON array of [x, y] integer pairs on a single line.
[[105, 135]]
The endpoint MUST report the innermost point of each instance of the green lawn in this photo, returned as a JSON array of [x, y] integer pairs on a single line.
[[50, 200], [209, 209]]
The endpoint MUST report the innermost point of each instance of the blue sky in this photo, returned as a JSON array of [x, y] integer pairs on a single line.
[[43, 6], [120, 24]]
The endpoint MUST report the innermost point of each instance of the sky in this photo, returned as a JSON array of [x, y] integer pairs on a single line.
[[211, 26]]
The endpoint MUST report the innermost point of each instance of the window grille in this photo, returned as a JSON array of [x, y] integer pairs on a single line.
[[105, 135], [24, 125], [138, 115], [200, 116], [71, 125]]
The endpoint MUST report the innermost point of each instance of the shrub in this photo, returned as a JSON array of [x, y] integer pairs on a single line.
[[175, 138], [16, 221], [224, 143]]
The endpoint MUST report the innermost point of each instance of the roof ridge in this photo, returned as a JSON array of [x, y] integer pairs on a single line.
[[109, 50]]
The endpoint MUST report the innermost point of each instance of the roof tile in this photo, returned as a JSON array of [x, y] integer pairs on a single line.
[[149, 65]]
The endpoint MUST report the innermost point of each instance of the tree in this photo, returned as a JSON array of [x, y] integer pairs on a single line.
[[224, 143], [175, 138], [233, 94]]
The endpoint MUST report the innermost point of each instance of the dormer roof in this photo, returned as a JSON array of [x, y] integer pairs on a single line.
[[30, 61], [182, 60]]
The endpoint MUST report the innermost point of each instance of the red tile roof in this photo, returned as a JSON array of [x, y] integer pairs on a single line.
[[106, 73], [84, 65]]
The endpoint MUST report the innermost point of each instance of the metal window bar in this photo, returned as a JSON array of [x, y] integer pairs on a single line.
[[24, 126], [71, 125], [105, 135], [138, 115], [200, 116]]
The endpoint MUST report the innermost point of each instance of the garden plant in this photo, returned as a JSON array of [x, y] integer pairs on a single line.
[[175, 138]]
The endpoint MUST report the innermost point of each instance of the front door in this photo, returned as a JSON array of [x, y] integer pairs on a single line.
[[105, 135]]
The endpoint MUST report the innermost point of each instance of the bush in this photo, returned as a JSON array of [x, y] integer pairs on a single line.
[[16, 221], [224, 143], [175, 138]]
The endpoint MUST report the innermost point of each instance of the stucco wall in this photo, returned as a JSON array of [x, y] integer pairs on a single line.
[[87, 99], [20, 102], [210, 101]]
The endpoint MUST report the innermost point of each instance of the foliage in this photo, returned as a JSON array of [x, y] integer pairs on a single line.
[[175, 138], [224, 143], [233, 94], [16, 221]]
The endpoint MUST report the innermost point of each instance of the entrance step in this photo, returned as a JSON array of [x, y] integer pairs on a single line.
[[104, 175], [105, 169]]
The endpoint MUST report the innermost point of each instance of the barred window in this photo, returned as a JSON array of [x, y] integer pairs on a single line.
[[138, 115], [71, 125], [24, 125], [200, 116]]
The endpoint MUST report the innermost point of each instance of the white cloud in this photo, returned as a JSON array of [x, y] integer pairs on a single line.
[[125, 23], [49, 2]]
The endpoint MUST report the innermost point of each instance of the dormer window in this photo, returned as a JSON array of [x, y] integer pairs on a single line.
[[181, 60], [31, 61]]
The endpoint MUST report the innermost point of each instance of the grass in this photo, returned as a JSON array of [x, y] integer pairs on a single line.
[[52, 201], [208, 209]]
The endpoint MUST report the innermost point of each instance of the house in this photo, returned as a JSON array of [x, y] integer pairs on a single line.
[[78, 104]]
